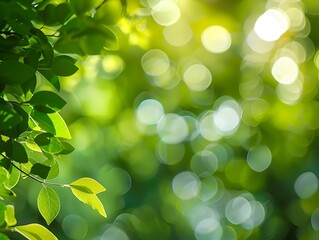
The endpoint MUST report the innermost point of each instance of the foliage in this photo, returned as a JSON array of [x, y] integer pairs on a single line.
[[39, 43], [202, 125], [188, 158]]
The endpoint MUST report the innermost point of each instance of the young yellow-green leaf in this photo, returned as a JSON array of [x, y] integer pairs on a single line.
[[35, 231], [88, 185], [4, 174], [52, 123], [13, 178], [54, 170], [48, 204], [9, 216], [88, 198], [47, 101]]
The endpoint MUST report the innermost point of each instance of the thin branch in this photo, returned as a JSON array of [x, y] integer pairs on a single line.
[[33, 177], [30, 176]]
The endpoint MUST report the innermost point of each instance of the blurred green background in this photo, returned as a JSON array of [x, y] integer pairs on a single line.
[[204, 125]]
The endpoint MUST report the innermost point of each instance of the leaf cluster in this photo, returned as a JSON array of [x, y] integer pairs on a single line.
[[39, 43]]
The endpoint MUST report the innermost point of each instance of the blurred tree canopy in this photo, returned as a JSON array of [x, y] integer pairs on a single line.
[[200, 117]]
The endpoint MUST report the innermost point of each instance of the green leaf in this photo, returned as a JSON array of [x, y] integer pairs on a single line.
[[63, 12], [13, 178], [85, 189], [5, 193], [47, 52], [22, 126], [17, 153], [90, 184], [69, 44], [15, 72], [89, 39], [54, 170], [82, 6], [9, 118], [2, 214], [9, 216], [4, 175], [49, 16], [94, 39], [67, 148], [48, 204], [29, 85], [48, 143], [47, 101], [35, 231], [89, 198], [46, 48], [52, 123], [51, 77], [40, 170], [32, 57], [63, 66], [110, 12]]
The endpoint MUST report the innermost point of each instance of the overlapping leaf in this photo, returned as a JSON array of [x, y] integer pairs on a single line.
[[85, 189], [47, 101]]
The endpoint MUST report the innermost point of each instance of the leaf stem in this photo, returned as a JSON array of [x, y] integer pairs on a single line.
[[33, 177], [37, 179]]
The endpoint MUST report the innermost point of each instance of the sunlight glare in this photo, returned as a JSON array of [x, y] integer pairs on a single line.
[[155, 62], [285, 70], [166, 13], [227, 117], [216, 39], [149, 111], [197, 77], [271, 25]]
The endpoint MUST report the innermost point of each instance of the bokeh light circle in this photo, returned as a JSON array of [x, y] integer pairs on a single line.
[[114, 232], [271, 25], [238, 210], [204, 162], [285, 70], [186, 185], [197, 77], [306, 185], [227, 117], [259, 158], [208, 228], [166, 13], [216, 39], [178, 34], [315, 220], [155, 62], [75, 226], [149, 111], [172, 128], [170, 154]]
